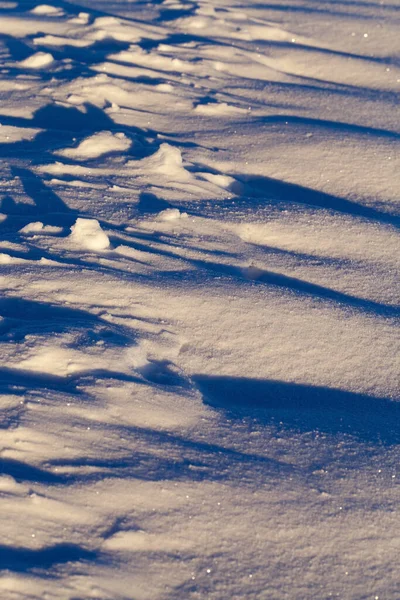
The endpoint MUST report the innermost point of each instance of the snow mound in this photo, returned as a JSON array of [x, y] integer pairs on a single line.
[[222, 181], [32, 227], [39, 227], [171, 214], [214, 109], [37, 60], [98, 145], [167, 161], [46, 9], [87, 233]]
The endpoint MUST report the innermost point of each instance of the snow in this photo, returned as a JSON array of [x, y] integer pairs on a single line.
[[170, 214], [97, 145], [37, 60], [46, 9], [199, 316], [87, 233]]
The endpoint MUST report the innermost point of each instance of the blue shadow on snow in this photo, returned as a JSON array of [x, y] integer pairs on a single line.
[[304, 407], [20, 560]]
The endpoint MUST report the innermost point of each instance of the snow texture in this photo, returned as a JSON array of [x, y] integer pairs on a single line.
[[199, 264]]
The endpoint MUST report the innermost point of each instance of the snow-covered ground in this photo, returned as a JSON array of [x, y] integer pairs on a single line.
[[199, 261]]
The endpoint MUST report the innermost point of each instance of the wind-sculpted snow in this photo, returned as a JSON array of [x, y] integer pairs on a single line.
[[199, 261]]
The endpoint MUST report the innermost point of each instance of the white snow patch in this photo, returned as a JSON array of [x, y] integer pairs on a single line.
[[10, 134], [37, 61], [222, 181], [81, 19], [76, 99], [87, 233], [59, 40], [143, 541], [165, 87], [216, 109], [6, 259], [78, 183], [98, 145], [166, 161], [46, 9], [39, 227], [32, 227], [171, 214]]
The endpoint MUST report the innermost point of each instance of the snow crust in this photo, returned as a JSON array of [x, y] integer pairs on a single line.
[[199, 265]]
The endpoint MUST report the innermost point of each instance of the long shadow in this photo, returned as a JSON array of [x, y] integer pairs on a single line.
[[150, 204], [300, 257], [323, 11], [194, 466], [267, 191], [64, 126], [17, 49], [321, 124], [72, 62], [172, 457], [347, 4], [87, 57], [321, 50], [171, 14], [23, 472], [21, 560], [303, 287], [22, 316], [19, 381], [46, 201], [265, 277], [294, 285], [304, 408], [326, 88], [47, 207]]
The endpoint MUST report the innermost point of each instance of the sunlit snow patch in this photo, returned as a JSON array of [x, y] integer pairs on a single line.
[[46, 9], [37, 61], [87, 233], [222, 181], [171, 214], [58, 40], [167, 161], [39, 227], [97, 145], [10, 134], [213, 109]]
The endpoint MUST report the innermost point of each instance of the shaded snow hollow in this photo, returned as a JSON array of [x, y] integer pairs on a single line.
[[199, 314]]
